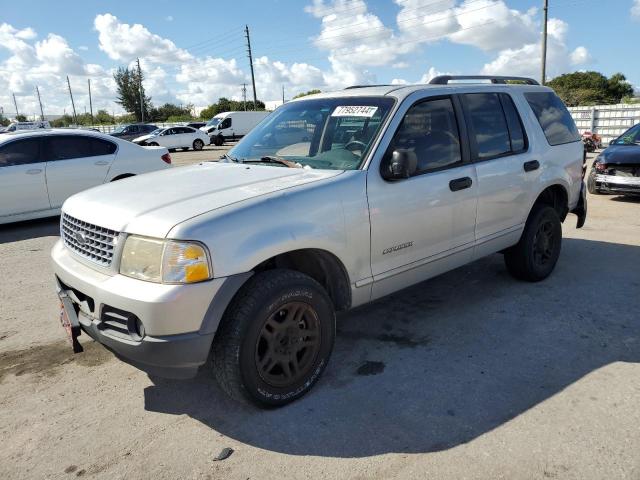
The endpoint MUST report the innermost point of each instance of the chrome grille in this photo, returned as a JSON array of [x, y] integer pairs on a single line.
[[88, 240]]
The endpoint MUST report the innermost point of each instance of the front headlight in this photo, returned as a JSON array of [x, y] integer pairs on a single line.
[[164, 261]]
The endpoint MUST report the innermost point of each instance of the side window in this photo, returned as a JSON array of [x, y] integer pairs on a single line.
[[430, 131], [68, 147], [102, 147], [226, 123], [554, 118], [488, 124], [20, 152], [514, 122]]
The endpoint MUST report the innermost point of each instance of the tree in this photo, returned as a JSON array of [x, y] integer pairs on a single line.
[[171, 113], [103, 117], [21, 118], [591, 88], [129, 85], [64, 121], [226, 105], [310, 92]]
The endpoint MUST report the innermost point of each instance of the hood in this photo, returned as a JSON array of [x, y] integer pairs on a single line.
[[621, 154], [152, 204], [143, 138]]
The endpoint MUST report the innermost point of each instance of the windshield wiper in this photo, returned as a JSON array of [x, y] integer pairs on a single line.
[[229, 157], [273, 159]]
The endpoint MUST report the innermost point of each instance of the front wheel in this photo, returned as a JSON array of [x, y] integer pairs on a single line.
[[275, 339], [218, 141], [198, 144], [535, 256], [591, 185]]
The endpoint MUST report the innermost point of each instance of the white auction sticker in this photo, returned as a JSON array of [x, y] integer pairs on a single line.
[[354, 111]]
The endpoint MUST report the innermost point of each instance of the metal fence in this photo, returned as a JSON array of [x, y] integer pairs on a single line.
[[111, 128], [608, 121]]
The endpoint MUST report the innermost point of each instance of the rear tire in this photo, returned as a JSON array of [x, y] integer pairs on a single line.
[[275, 339], [197, 144], [535, 256]]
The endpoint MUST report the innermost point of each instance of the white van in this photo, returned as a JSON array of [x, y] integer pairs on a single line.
[[232, 125], [14, 127]]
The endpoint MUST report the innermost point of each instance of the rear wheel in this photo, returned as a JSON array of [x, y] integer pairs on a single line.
[[535, 256], [197, 144], [275, 339]]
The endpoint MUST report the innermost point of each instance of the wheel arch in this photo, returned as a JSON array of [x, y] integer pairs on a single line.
[[556, 196], [122, 176]]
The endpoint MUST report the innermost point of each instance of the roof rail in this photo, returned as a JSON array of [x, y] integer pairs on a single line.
[[365, 86], [445, 79]]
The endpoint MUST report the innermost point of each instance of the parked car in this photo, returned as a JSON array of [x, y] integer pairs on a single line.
[[232, 125], [174, 138], [39, 169], [135, 130], [251, 257], [617, 169], [196, 125], [20, 126]]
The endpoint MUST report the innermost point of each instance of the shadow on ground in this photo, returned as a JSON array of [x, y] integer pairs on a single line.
[[44, 227], [445, 361]]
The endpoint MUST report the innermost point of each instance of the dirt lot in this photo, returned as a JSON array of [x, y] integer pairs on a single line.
[[468, 375]]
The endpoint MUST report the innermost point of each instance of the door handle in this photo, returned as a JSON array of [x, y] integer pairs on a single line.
[[460, 184], [101, 162], [34, 171], [531, 165]]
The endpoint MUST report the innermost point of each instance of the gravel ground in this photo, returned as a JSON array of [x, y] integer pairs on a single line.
[[468, 375]]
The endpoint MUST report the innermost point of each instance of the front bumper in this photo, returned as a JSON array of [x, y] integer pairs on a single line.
[[617, 184], [156, 327]]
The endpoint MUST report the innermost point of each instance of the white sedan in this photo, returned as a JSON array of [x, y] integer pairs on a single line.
[[175, 137], [40, 169]]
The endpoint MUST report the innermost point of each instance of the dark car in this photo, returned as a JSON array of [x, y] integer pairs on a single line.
[[617, 169], [135, 130], [196, 125]]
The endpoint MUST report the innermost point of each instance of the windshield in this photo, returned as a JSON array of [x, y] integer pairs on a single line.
[[213, 122], [156, 131], [630, 137], [120, 129], [330, 133]]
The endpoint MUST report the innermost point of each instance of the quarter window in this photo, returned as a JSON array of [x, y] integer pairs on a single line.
[[488, 124], [102, 147], [554, 118], [20, 152], [516, 132], [430, 131]]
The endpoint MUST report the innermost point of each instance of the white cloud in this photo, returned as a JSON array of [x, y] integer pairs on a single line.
[[124, 42], [169, 18], [580, 56], [84, 48], [635, 9]]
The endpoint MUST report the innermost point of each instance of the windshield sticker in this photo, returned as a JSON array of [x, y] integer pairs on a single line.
[[354, 111]]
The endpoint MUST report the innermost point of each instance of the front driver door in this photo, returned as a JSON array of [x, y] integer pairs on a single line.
[[425, 224], [23, 187]]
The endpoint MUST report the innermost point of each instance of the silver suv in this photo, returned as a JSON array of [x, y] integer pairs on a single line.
[[250, 257]]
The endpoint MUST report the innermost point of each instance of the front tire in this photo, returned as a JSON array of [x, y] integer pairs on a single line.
[[275, 339], [591, 185], [535, 256], [198, 144], [218, 141]]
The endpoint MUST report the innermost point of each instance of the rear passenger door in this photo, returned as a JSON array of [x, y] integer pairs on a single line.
[[505, 167], [75, 163], [23, 187]]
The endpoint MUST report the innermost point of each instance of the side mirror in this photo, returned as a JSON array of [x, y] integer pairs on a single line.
[[611, 141], [402, 164]]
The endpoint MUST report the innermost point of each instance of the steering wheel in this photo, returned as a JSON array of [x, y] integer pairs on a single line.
[[355, 143]]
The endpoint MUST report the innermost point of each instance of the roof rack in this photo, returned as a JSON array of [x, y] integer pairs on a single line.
[[365, 86], [445, 79]]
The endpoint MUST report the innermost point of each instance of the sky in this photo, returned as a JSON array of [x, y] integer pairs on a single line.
[[194, 52]]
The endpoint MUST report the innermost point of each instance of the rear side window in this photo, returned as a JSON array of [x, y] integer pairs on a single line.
[[102, 147], [554, 118], [488, 124], [20, 152], [516, 132]]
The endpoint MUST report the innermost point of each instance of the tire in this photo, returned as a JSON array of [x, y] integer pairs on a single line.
[[197, 144], [218, 141], [534, 257], [591, 185], [253, 330]]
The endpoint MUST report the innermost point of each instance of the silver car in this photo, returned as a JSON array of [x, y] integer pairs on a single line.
[[250, 258]]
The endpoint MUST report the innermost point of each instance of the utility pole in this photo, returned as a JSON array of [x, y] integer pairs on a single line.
[[141, 94], [544, 42], [40, 102], [90, 103], [244, 96], [15, 104], [253, 78], [283, 94], [73, 105]]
